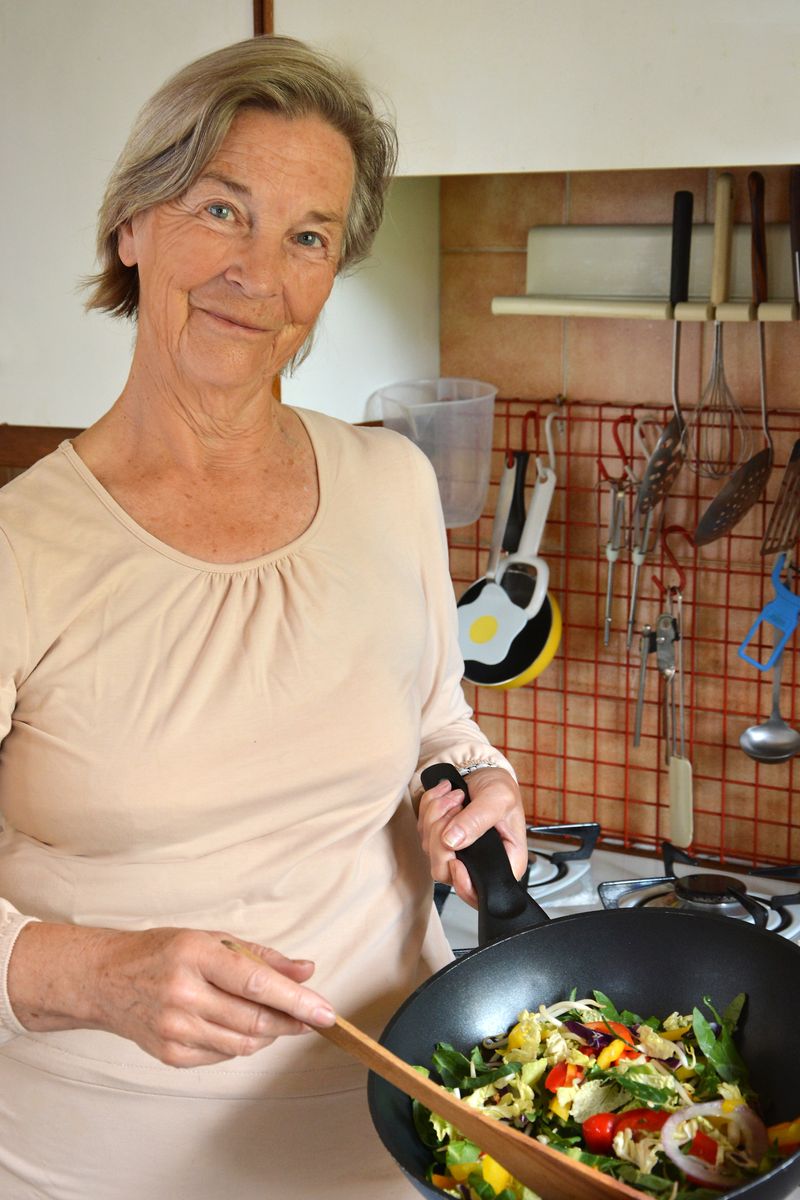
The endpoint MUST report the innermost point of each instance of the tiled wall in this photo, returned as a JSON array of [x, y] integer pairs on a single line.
[[606, 366]]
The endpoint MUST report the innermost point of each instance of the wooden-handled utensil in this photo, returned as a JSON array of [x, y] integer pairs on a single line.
[[719, 435], [547, 1171], [747, 483]]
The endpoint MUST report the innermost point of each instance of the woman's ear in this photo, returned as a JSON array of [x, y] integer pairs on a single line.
[[126, 244]]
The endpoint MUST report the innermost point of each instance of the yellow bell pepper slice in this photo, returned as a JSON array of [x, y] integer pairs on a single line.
[[462, 1171], [496, 1175], [560, 1110], [516, 1038], [610, 1053], [786, 1134], [674, 1035]]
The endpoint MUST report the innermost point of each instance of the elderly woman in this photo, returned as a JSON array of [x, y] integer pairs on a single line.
[[227, 650]]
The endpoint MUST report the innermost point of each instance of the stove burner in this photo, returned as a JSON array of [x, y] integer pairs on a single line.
[[546, 867], [709, 889], [716, 895]]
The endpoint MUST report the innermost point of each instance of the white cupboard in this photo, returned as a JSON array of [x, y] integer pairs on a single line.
[[486, 86]]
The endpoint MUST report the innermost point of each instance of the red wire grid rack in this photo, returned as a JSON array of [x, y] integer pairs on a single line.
[[570, 733]]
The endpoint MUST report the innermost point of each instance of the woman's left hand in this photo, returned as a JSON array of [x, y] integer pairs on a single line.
[[444, 826]]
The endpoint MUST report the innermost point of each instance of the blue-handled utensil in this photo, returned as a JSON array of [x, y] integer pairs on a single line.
[[782, 612]]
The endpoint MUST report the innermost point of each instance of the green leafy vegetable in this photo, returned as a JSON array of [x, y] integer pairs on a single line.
[[719, 1047]]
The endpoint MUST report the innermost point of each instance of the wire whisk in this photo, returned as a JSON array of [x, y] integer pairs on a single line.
[[717, 431]]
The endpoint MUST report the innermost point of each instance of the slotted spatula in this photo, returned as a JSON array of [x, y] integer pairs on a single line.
[[783, 529]]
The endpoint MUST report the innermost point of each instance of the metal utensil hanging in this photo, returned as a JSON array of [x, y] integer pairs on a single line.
[[719, 435], [748, 481], [666, 459], [621, 487], [783, 529], [664, 464]]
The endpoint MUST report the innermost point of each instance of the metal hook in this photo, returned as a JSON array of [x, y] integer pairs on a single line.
[[666, 533], [627, 470], [548, 436], [530, 414]]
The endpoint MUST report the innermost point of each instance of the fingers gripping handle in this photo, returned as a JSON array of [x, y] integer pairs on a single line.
[[504, 905]]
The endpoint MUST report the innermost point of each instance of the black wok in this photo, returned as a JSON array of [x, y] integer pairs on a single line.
[[652, 961]]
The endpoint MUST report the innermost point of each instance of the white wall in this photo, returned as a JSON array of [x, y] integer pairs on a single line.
[[381, 323], [73, 74]]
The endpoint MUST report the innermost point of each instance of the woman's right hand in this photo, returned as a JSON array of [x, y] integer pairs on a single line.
[[180, 994]]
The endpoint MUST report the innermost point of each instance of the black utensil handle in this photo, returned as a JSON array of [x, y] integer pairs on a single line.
[[758, 243], [516, 518], [794, 226], [504, 905], [682, 207]]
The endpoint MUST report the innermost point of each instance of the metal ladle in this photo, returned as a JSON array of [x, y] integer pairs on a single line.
[[774, 741]]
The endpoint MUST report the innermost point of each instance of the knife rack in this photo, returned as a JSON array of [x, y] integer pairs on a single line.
[[622, 271]]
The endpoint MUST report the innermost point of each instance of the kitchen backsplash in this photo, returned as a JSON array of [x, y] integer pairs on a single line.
[[569, 733]]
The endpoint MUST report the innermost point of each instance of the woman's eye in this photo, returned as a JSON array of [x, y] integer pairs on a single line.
[[223, 211], [307, 238]]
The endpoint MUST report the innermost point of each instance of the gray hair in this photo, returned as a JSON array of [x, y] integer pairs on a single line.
[[181, 128]]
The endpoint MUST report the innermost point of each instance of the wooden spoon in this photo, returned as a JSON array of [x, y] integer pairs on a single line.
[[548, 1172]]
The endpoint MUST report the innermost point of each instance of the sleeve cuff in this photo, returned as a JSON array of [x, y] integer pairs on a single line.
[[11, 925]]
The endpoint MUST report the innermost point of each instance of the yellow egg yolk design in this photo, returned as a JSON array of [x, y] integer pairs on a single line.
[[488, 625]]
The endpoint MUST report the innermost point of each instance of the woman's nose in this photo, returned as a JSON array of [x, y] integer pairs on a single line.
[[257, 266]]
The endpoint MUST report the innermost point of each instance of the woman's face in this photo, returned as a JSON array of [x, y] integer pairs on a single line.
[[233, 273]]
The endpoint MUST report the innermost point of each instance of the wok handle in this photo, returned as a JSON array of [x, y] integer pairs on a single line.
[[504, 904]]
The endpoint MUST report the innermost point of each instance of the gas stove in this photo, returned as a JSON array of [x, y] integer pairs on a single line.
[[568, 874]]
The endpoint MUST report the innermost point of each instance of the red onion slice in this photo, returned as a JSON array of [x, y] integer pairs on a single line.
[[753, 1132]]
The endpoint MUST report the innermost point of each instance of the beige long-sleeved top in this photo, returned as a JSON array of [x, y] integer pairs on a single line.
[[230, 746]]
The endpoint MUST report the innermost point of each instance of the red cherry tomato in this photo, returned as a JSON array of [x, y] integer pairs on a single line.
[[641, 1120], [598, 1132]]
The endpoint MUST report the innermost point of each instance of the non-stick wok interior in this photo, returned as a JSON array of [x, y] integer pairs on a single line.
[[650, 961]]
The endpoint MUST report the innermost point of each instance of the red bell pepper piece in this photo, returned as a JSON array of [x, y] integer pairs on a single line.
[[562, 1075], [704, 1147], [613, 1027]]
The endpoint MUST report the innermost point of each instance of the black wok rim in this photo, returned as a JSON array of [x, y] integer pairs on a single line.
[[773, 1184]]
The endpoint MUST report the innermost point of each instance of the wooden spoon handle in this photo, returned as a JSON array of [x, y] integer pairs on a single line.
[[546, 1171]]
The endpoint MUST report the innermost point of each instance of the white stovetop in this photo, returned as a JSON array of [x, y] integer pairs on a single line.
[[577, 892]]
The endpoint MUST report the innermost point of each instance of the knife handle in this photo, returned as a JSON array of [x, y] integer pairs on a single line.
[[682, 206], [758, 245], [794, 228]]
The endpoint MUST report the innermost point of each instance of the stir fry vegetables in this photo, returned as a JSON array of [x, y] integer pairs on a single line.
[[664, 1105]]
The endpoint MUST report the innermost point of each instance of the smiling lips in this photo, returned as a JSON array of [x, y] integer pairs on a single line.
[[234, 322]]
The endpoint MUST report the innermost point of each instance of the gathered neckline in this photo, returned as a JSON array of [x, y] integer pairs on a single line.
[[188, 560]]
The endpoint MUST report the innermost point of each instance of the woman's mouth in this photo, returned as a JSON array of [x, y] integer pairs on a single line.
[[229, 322]]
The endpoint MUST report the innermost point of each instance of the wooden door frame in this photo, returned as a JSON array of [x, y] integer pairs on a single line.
[[263, 17]]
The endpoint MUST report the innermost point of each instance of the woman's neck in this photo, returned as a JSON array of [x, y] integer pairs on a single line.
[[200, 431]]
